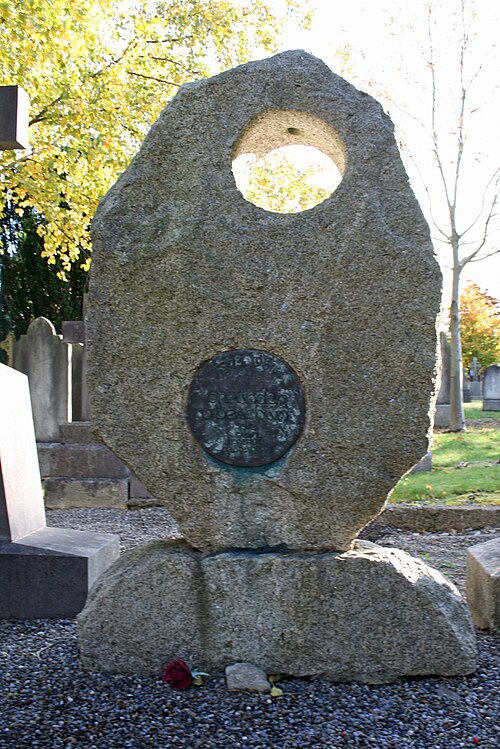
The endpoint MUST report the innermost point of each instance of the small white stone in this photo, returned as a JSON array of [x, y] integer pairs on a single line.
[[245, 677]]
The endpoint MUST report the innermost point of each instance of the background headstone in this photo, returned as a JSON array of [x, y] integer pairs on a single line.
[[442, 415], [73, 332], [475, 388], [46, 360], [491, 388]]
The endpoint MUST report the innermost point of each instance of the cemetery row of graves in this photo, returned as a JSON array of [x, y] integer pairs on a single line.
[[463, 468]]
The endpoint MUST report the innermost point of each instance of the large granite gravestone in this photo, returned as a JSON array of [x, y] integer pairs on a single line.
[[186, 270], [216, 331], [44, 572]]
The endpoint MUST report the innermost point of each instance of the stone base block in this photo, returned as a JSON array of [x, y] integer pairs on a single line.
[[138, 490], [79, 461], [475, 391], [48, 574], [77, 432], [483, 584], [372, 614], [491, 404], [64, 493], [442, 416]]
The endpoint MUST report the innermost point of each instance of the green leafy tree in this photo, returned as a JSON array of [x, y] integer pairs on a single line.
[[29, 287], [480, 326], [98, 73], [289, 179]]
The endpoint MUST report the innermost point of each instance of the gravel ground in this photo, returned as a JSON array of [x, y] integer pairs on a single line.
[[45, 701]]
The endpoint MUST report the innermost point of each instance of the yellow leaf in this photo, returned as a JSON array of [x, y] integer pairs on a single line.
[[276, 692]]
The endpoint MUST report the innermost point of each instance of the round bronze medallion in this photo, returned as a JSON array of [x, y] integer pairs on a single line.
[[246, 407]]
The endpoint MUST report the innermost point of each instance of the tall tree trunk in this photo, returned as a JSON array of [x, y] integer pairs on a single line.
[[457, 422]]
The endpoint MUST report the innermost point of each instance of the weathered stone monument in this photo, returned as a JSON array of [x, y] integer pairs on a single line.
[[475, 382], [228, 405], [44, 572], [43, 356], [442, 415], [73, 333], [491, 388]]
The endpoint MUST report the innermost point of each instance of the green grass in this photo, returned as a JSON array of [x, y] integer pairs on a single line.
[[476, 445], [465, 465], [473, 411]]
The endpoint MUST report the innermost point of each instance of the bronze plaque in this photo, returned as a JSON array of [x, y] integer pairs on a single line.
[[246, 407]]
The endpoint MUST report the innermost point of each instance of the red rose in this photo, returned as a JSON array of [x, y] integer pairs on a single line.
[[177, 674]]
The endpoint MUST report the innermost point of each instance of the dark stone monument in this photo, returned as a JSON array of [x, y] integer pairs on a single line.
[[14, 120], [475, 385], [44, 572]]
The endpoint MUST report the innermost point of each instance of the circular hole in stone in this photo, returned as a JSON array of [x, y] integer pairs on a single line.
[[288, 161]]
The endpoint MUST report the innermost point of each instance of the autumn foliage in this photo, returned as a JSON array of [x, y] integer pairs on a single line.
[[480, 326], [98, 73]]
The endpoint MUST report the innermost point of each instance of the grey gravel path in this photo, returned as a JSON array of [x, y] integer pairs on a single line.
[[45, 701]]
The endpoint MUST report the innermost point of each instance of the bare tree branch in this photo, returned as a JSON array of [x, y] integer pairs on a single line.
[[176, 62], [494, 176], [484, 257], [153, 78], [490, 216], [443, 234]]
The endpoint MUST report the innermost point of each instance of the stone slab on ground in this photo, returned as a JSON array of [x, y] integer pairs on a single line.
[[370, 615], [432, 518], [483, 584], [205, 272]]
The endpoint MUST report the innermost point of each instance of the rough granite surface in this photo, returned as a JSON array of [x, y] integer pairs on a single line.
[[372, 614], [346, 293], [246, 677], [483, 584]]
